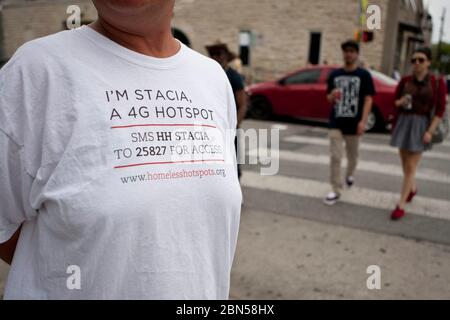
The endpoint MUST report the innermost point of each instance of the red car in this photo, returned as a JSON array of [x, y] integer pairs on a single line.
[[302, 94]]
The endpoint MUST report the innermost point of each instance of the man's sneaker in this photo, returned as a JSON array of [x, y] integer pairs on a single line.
[[397, 214], [350, 181], [331, 198], [411, 196]]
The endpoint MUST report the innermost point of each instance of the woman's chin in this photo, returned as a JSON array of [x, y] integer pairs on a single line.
[[128, 5]]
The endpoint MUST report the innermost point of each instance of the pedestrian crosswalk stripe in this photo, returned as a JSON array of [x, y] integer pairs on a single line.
[[424, 174], [378, 136], [279, 126], [423, 206], [364, 146]]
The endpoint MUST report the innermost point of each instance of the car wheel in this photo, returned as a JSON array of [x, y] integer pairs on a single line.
[[374, 121], [260, 108]]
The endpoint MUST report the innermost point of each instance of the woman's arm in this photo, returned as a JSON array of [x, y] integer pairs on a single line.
[[368, 102], [439, 112], [431, 129], [400, 103], [400, 100], [434, 124], [8, 248], [441, 100]]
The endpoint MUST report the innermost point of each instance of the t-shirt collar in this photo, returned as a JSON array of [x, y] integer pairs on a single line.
[[423, 82], [133, 56]]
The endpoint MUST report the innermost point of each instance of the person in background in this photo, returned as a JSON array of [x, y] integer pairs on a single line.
[[235, 63], [416, 97], [448, 84], [351, 91], [220, 52], [396, 75]]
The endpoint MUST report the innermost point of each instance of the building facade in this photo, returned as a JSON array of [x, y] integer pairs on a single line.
[[272, 37]]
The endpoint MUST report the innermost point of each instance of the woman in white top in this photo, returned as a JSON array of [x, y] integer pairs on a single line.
[[118, 178]]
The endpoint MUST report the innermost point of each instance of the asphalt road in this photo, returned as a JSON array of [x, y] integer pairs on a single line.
[[292, 246]]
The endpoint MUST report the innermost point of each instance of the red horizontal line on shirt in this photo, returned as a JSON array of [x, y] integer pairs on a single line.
[[163, 125], [168, 162]]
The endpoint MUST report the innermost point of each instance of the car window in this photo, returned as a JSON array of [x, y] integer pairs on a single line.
[[304, 77]]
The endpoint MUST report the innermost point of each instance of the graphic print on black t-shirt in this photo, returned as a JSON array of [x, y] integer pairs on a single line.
[[355, 86], [347, 106]]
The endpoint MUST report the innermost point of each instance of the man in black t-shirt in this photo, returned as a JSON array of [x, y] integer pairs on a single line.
[[221, 53], [351, 91]]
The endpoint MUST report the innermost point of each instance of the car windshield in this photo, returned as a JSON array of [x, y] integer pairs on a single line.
[[383, 78]]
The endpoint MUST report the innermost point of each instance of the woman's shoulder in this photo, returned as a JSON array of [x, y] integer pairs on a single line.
[[440, 79], [406, 78]]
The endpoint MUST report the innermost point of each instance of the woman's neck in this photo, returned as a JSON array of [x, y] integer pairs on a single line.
[[420, 76], [157, 42]]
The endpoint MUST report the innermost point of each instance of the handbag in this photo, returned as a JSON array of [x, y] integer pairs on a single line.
[[442, 130]]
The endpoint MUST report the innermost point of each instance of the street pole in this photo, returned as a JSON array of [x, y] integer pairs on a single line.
[[362, 20], [441, 37]]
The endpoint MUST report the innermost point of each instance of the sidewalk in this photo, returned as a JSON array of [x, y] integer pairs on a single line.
[[283, 257]]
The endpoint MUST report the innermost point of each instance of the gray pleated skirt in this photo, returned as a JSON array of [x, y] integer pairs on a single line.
[[409, 131]]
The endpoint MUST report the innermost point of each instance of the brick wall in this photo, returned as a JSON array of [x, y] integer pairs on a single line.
[[24, 22], [281, 29]]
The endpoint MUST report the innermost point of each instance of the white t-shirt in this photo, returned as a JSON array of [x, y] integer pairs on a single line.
[[122, 170]]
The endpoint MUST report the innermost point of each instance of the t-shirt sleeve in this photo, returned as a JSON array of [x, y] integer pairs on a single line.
[[330, 83], [369, 85], [15, 182], [15, 186]]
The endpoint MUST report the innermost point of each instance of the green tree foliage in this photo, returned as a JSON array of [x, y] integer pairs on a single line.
[[444, 65]]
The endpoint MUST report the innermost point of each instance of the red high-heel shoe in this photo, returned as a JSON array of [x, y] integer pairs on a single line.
[[397, 214], [411, 196]]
